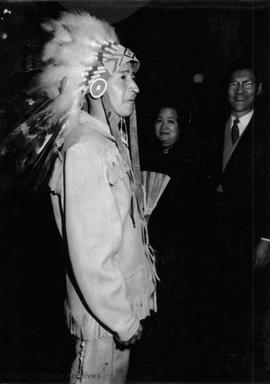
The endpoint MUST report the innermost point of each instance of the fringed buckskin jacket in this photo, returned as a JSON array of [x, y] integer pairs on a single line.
[[110, 279]]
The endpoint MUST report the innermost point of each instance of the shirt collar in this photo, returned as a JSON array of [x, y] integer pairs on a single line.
[[243, 121]]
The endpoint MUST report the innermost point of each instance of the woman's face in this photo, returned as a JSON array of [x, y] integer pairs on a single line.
[[166, 127]]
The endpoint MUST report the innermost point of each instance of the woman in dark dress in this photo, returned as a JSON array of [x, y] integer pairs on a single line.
[[168, 229], [169, 157]]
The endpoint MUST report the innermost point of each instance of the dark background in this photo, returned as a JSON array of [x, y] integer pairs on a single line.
[[174, 40]]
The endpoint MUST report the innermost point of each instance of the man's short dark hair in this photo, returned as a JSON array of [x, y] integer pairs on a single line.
[[244, 63]]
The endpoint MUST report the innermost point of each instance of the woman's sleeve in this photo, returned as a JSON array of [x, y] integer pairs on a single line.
[[94, 236]]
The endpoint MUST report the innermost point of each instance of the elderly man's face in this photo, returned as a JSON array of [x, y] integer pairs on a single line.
[[242, 91], [122, 90]]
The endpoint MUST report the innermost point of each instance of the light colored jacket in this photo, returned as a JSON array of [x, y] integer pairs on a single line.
[[111, 279]]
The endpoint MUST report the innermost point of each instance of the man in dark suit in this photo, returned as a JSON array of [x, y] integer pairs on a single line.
[[242, 220]]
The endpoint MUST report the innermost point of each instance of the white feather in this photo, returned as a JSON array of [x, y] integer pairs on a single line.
[[76, 40]]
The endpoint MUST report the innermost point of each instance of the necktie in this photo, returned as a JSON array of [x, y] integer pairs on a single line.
[[235, 131]]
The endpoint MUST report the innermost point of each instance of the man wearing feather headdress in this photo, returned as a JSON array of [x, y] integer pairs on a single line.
[[81, 138]]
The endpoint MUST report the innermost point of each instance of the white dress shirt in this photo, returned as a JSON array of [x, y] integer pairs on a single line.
[[243, 121]]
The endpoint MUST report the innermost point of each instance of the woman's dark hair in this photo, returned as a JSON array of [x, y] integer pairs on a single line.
[[181, 112], [166, 105]]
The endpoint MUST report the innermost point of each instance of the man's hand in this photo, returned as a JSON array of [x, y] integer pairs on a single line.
[[262, 254], [134, 338]]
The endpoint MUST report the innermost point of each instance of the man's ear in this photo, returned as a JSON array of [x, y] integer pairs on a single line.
[[259, 89], [97, 88]]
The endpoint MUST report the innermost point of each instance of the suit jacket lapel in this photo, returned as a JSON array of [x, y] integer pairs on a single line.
[[245, 137]]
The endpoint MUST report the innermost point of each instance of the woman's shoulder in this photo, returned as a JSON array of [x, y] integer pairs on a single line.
[[152, 161]]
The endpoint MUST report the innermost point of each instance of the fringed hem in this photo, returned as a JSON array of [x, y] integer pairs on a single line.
[[143, 304], [84, 326]]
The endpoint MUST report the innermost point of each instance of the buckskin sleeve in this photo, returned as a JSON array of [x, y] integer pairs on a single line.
[[94, 234]]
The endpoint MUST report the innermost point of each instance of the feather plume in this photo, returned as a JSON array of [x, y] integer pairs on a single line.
[[72, 50], [68, 58], [32, 147]]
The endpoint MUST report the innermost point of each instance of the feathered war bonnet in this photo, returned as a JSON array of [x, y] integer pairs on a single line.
[[82, 53]]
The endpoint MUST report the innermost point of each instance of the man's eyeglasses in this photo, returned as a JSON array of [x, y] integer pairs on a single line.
[[247, 85]]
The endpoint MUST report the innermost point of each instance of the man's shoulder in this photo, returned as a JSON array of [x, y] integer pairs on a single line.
[[87, 137], [92, 146]]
